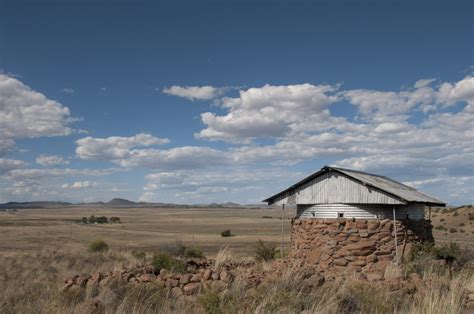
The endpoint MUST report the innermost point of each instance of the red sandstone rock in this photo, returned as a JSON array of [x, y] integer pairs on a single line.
[[146, 278], [207, 274], [191, 288]]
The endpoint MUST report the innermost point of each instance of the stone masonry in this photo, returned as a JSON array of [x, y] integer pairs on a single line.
[[341, 246]]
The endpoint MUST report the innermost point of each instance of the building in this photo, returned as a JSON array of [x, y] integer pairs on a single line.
[[353, 220], [342, 193]]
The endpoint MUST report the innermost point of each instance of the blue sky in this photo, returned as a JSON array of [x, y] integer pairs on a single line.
[[218, 101]]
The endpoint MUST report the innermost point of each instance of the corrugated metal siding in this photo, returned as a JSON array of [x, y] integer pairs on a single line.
[[333, 187], [406, 192], [360, 211]]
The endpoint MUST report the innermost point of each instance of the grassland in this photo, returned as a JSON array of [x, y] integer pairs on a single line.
[[142, 229], [39, 248]]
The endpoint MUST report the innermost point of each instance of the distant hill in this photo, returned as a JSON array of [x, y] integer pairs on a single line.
[[120, 202], [36, 204]]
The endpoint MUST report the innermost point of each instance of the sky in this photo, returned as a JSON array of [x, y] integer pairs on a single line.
[[214, 101]]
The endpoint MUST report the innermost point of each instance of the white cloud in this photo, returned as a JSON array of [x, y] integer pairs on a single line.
[[25, 113], [186, 157], [423, 82], [80, 185], [245, 185], [269, 111], [194, 92], [6, 165], [51, 160], [68, 90], [115, 147]]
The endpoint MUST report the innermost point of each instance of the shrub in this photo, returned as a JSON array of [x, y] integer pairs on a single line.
[[264, 251], [226, 233], [462, 230], [442, 219], [453, 230], [98, 245], [471, 216], [210, 301], [114, 219], [449, 252], [440, 227], [168, 262], [193, 252], [455, 214], [462, 224], [267, 217]]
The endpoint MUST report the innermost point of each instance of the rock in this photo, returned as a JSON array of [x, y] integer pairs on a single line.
[[146, 278], [176, 292], [67, 286], [185, 279], [191, 288], [361, 263], [207, 274], [225, 276], [196, 278], [215, 276], [171, 283], [96, 277], [374, 277], [163, 272], [361, 245], [82, 279], [313, 256], [340, 262]]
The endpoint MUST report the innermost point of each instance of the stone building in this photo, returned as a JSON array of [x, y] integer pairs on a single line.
[[353, 220]]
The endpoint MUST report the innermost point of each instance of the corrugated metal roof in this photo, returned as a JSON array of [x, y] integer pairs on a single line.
[[388, 185]]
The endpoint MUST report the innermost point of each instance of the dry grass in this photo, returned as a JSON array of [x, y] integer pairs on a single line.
[[31, 283], [142, 229]]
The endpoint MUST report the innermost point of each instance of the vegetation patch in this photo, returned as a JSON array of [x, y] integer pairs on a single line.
[[98, 246]]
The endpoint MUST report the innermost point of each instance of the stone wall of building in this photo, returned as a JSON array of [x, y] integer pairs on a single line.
[[338, 246]]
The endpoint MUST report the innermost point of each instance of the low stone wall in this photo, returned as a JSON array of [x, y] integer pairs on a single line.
[[338, 246]]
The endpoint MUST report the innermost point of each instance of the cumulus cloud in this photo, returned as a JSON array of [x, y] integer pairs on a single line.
[[268, 111], [115, 147], [25, 113], [51, 160], [194, 92]]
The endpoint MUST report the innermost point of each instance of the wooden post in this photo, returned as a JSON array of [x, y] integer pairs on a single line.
[[193, 225], [395, 230], [282, 230]]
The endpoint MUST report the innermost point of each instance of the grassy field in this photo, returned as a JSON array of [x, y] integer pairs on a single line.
[[39, 248], [142, 228]]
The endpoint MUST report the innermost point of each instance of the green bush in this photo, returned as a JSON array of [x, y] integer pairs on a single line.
[[168, 262], [210, 301], [193, 252], [264, 251], [449, 252], [98, 245], [226, 233]]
